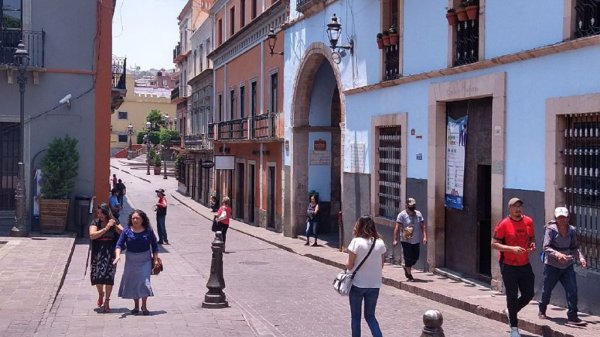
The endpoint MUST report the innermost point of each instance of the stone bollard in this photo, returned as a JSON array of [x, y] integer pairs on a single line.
[[215, 297], [433, 320]]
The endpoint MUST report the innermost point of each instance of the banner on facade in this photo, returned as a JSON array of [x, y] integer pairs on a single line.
[[456, 141]]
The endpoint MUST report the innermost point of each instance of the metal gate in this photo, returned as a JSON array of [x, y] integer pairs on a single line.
[[9, 156], [581, 155]]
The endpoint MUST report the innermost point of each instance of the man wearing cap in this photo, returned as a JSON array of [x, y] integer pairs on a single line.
[[514, 238], [560, 254], [411, 225], [161, 214]]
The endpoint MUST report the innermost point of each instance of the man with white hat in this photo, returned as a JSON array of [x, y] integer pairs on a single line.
[[411, 225], [514, 238], [561, 252]]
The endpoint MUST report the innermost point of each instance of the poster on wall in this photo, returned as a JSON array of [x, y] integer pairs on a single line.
[[319, 155], [456, 141]]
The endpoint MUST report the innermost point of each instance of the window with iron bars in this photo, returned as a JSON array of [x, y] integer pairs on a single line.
[[466, 46], [388, 151], [581, 160], [587, 18]]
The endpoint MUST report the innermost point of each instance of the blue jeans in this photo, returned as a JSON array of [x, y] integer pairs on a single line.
[[311, 229], [370, 296], [567, 278]]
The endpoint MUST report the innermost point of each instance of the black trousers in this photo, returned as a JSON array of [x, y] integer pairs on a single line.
[[517, 279]]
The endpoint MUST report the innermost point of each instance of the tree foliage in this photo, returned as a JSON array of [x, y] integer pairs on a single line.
[[59, 168]]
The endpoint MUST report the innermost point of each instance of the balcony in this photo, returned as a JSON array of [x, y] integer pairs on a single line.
[[119, 77], [304, 6], [262, 127], [265, 126], [198, 143], [34, 42], [233, 130], [175, 93], [176, 52]]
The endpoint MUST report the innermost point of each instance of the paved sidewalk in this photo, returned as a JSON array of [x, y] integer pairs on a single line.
[[463, 295]]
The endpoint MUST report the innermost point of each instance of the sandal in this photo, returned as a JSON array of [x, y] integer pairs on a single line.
[[100, 299], [106, 305]]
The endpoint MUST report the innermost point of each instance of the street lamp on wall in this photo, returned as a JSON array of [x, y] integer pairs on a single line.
[[148, 144], [334, 31], [20, 227], [130, 133], [272, 41]]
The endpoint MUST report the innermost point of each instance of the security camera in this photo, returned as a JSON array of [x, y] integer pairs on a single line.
[[66, 100]]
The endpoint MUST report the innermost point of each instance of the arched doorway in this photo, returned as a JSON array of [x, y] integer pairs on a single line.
[[316, 139]]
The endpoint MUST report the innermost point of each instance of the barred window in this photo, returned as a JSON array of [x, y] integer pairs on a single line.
[[122, 138], [389, 192], [122, 114], [581, 160], [466, 47], [587, 18]]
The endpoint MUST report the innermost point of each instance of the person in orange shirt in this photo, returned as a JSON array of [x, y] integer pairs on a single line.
[[514, 238], [223, 215], [161, 217]]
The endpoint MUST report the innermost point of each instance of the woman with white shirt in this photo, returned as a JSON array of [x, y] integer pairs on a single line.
[[367, 281]]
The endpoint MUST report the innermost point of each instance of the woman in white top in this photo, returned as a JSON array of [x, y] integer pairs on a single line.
[[367, 280]]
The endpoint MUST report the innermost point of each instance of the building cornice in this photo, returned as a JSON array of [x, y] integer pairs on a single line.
[[204, 74], [250, 35], [484, 64]]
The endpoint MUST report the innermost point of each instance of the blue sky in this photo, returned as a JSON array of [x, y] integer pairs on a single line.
[[146, 31]]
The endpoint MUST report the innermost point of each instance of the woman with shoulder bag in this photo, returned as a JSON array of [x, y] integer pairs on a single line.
[[367, 281], [222, 217], [104, 232], [142, 255]]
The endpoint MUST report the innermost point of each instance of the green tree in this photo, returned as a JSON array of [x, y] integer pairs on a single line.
[[157, 119], [59, 168]]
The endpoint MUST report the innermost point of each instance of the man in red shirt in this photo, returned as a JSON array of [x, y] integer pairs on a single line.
[[514, 238]]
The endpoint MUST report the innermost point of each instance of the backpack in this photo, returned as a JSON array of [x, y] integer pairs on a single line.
[[553, 235]]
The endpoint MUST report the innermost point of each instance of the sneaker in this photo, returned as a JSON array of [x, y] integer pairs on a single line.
[[542, 315], [575, 320], [514, 332]]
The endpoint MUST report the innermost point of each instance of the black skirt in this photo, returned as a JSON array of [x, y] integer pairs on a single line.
[[102, 268]]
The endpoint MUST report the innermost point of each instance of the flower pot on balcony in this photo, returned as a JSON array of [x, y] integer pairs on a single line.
[[393, 39], [472, 12], [379, 40], [386, 39], [461, 14], [452, 18]]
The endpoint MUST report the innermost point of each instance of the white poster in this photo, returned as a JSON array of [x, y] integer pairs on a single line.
[[455, 162]]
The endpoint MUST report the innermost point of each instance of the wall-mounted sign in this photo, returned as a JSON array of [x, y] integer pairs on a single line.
[[320, 145], [224, 162], [208, 164]]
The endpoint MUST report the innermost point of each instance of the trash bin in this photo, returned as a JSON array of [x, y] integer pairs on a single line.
[[82, 216]]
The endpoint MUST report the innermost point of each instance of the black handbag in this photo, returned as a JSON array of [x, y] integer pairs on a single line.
[[215, 225]]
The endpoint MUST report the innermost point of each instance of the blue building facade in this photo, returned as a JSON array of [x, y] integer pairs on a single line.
[[368, 128]]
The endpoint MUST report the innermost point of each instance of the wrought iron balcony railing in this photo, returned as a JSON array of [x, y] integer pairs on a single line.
[[392, 62], [198, 142], [176, 51], [264, 125], [587, 18], [119, 72], [175, 93], [33, 41], [234, 129]]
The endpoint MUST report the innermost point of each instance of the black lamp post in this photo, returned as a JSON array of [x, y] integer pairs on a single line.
[[272, 40], [334, 31], [165, 146], [20, 227], [148, 143], [130, 133]]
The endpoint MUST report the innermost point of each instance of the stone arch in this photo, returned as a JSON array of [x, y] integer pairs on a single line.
[[315, 55]]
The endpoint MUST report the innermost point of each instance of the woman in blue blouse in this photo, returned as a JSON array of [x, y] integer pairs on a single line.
[[142, 252]]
